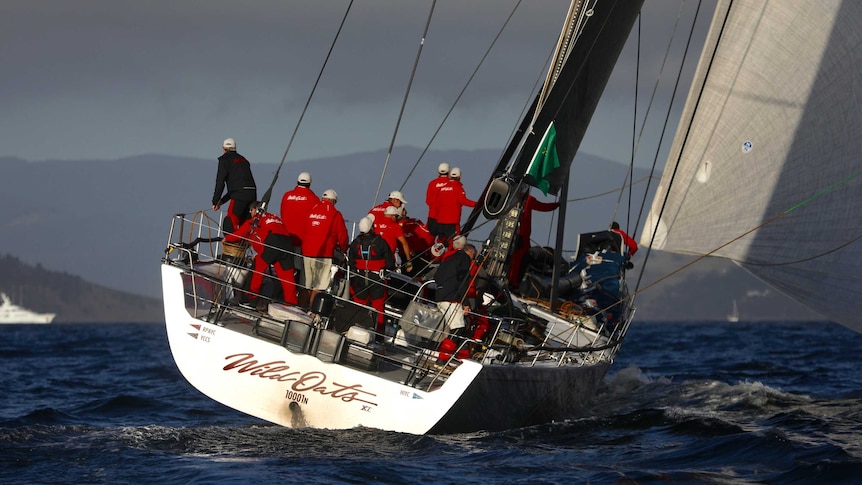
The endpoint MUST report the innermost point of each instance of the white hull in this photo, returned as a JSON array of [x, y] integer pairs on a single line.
[[266, 380], [11, 313], [262, 378]]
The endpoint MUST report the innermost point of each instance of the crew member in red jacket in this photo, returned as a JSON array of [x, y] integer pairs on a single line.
[[296, 204], [395, 199], [450, 199], [273, 247], [234, 175], [522, 237], [391, 232], [419, 239], [367, 256], [630, 244], [433, 189], [325, 232]]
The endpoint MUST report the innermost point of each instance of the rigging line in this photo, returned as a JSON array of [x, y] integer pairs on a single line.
[[404, 101], [810, 258], [661, 73], [829, 189], [634, 127], [660, 76], [772, 219], [684, 139], [458, 98], [655, 91], [268, 194], [611, 191]]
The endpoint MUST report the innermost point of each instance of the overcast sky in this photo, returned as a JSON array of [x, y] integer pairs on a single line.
[[115, 78]]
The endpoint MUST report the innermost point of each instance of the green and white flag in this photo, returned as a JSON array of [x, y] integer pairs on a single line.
[[545, 160]]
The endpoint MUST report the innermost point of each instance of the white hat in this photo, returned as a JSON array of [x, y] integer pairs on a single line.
[[443, 168], [365, 225], [392, 211], [397, 195], [459, 242], [455, 173], [229, 144], [304, 178], [329, 194]]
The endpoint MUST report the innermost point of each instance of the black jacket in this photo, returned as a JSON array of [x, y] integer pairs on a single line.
[[453, 277], [370, 252], [234, 171]]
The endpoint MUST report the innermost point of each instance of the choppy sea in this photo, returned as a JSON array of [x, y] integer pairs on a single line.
[[684, 403]]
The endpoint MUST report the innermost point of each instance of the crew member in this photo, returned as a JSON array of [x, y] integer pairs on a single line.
[[391, 232], [234, 178], [395, 199], [522, 237], [419, 239], [367, 257], [431, 192], [453, 281], [630, 244], [296, 204], [450, 199], [325, 232], [273, 247]]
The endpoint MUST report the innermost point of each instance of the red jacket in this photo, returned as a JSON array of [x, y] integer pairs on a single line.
[[256, 229], [450, 199], [390, 231], [431, 194], [296, 204], [418, 237], [379, 211], [530, 204], [628, 241], [324, 231]]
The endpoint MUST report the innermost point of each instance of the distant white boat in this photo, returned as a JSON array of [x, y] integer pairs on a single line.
[[734, 316], [12, 313]]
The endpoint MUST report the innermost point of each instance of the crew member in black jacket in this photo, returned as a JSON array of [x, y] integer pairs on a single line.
[[234, 173], [368, 255], [453, 280]]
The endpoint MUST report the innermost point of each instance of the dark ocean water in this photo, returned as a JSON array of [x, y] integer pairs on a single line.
[[684, 403]]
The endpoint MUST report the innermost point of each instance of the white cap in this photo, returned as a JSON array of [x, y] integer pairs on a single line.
[[459, 242], [304, 178], [365, 225], [397, 195], [229, 144], [455, 173], [329, 194], [443, 168], [392, 211]]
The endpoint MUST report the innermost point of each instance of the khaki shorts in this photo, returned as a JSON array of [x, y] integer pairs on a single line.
[[317, 272], [453, 314]]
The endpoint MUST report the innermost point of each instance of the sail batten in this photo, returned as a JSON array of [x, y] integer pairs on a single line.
[[773, 123]]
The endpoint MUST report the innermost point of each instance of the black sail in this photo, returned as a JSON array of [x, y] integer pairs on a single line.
[[576, 82]]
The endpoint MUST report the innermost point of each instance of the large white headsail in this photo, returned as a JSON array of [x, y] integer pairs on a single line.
[[773, 129]]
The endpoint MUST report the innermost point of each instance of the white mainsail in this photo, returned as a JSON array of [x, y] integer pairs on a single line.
[[765, 166]]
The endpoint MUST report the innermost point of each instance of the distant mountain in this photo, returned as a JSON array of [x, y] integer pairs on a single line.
[[108, 221], [71, 298]]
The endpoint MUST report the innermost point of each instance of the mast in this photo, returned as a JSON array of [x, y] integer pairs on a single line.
[[558, 245], [592, 37], [588, 50]]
